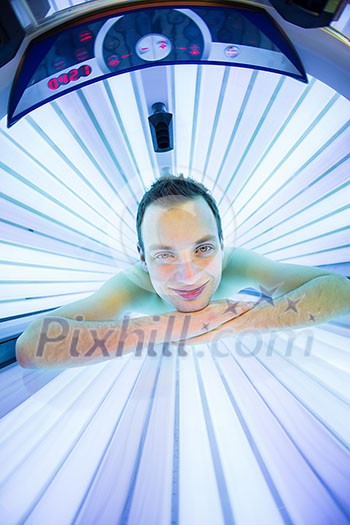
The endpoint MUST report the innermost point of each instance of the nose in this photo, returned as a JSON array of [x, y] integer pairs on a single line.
[[186, 271]]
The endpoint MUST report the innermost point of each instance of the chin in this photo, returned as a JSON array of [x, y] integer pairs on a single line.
[[190, 309], [191, 306]]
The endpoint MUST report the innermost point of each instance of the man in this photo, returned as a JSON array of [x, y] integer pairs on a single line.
[[183, 281]]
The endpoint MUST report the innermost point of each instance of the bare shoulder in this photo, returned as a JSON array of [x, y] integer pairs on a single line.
[[250, 268], [237, 262], [235, 274], [256, 270], [126, 291], [233, 254]]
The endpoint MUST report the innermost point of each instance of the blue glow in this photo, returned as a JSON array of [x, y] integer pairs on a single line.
[[263, 439]]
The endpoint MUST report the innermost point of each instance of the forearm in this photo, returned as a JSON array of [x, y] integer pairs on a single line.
[[61, 342], [315, 302]]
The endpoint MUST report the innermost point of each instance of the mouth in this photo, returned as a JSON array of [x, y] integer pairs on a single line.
[[190, 293]]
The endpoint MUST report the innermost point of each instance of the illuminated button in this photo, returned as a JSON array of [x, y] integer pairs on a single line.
[[195, 50], [153, 47], [85, 36], [113, 60], [231, 51]]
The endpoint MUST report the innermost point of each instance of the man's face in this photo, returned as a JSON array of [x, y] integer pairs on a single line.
[[182, 253]]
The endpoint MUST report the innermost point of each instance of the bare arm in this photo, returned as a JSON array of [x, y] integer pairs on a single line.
[[98, 328], [318, 300], [56, 341], [292, 296]]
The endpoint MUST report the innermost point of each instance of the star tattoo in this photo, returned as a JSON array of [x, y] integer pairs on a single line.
[[266, 295], [232, 306], [205, 326], [292, 305], [312, 318]]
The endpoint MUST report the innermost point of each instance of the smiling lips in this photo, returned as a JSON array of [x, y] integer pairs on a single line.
[[192, 293]]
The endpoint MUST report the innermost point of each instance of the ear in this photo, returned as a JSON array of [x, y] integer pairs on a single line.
[[142, 258]]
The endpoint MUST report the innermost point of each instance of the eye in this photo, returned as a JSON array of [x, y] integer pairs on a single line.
[[163, 256], [205, 249]]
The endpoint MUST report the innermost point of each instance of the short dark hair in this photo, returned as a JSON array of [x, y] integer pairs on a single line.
[[174, 189]]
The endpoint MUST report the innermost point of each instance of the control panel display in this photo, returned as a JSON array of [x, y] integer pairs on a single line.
[[74, 55]]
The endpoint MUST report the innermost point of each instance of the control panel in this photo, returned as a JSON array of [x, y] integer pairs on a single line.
[[72, 56]]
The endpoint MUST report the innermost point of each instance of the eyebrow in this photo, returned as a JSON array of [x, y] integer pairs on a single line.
[[200, 241]]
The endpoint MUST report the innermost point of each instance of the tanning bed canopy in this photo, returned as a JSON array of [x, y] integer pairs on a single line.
[[114, 40], [308, 13]]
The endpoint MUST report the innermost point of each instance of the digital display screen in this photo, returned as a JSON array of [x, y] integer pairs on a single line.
[[65, 78]]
